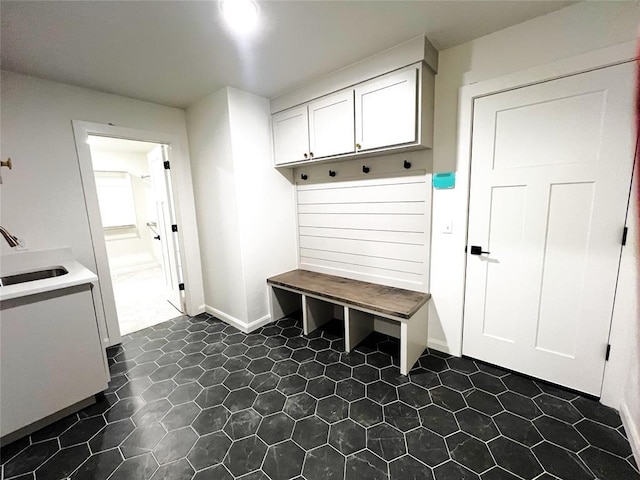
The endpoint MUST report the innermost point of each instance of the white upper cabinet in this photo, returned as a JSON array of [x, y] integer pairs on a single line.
[[390, 113], [386, 111], [291, 135], [331, 128]]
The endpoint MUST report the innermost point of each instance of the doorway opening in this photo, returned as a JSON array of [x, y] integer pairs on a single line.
[[138, 224]]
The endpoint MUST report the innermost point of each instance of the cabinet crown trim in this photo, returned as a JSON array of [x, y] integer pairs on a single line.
[[416, 50]]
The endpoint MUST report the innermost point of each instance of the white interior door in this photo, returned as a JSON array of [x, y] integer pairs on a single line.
[[550, 176], [161, 185]]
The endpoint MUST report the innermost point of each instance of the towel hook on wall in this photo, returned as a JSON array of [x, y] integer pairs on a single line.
[[365, 169]]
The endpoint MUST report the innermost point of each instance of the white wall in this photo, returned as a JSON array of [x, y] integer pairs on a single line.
[[133, 247], [216, 204], [265, 201], [622, 377], [244, 206], [572, 31], [42, 197]]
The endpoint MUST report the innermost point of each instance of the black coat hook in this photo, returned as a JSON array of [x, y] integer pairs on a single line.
[[332, 173], [365, 169], [407, 164], [303, 176]]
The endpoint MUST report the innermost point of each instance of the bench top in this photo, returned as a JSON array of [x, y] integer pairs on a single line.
[[396, 302]]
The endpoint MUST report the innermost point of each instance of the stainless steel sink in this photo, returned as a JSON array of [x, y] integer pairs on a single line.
[[32, 276]]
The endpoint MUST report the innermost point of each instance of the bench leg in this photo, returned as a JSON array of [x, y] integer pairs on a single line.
[[315, 313], [357, 326], [413, 339], [282, 303]]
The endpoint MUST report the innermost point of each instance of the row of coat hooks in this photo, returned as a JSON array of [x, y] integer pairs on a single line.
[[365, 169]]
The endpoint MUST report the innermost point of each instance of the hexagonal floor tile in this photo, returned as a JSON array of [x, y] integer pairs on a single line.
[[310, 432], [332, 409], [426, 446], [366, 412], [242, 424], [347, 437], [365, 465], [401, 416], [245, 455], [269, 402], [470, 452], [209, 450], [323, 463], [386, 441], [300, 405], [477, 424], [275, 428], [283, 460]]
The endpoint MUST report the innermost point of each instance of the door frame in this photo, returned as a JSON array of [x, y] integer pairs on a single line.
[[184, 205]]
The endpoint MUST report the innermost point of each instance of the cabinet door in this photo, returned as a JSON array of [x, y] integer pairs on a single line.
[[331, 128], [386, 110], [291, 135]]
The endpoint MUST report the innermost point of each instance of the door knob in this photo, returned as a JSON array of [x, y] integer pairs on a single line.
[[477, 250]]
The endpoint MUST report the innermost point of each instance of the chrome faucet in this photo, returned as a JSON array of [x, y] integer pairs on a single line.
[[12, 240]]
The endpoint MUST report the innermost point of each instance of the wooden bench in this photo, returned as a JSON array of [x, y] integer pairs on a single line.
[[317, 293]]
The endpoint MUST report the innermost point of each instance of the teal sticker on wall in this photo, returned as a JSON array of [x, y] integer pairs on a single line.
[[444, 180]]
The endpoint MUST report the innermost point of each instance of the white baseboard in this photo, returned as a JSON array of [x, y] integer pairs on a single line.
[[239, 324], [632, 429], [438, 345]]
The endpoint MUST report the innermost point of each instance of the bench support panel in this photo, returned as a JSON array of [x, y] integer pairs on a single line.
[[315, 313], [413, 339], [282, 303], [357, 326]]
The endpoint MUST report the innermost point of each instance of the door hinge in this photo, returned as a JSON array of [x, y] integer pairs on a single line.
[[181, 286], [167, 166], [625, 230], [606, 355], [174, 228]]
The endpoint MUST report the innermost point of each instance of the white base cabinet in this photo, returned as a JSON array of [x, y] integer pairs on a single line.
[[51, 355]]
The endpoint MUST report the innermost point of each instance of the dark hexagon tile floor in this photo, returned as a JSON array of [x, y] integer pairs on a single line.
[[194, 398]]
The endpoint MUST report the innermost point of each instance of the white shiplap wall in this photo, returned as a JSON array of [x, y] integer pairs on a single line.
[[371, 229]]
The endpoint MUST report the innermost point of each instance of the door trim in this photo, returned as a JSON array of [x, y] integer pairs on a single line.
[[184, 205]]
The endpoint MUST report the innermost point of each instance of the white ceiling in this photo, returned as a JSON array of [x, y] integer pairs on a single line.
[[176, 52]]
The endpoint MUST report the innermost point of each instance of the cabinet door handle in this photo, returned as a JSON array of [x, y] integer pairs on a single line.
[[311, 154], [305, 155], [358, 146]]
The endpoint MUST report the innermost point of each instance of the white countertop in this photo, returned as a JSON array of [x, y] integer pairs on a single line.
[[28, 261]]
